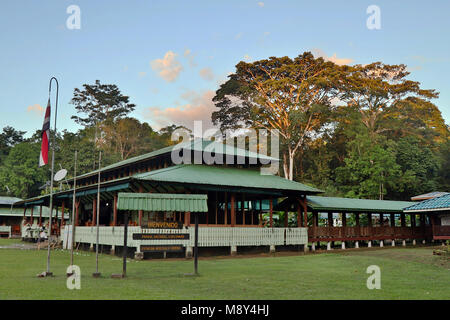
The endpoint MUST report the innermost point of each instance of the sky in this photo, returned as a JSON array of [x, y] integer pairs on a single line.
[[171, 56]]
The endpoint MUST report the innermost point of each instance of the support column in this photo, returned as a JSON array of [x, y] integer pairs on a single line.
[[243, 208], [233, 209], [233, 250], [413, 220], [271, 212], [369, 244], [402, 220], [330, 219], [381, 243], [357, 244], [187, 218], [328, 245], [404, 243], [94, 211], [225, 201], [305, 212], [115, 210], [299, 215], [40, 216], [286, 218], [392, 220], [61, 223], [369, 219], [31, 214], [77, 206]]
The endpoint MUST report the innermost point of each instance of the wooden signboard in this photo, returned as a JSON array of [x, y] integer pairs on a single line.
[[160, 236], [162, 248], [164, 225]]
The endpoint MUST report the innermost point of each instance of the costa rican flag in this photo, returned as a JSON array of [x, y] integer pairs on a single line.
[[43, 157]]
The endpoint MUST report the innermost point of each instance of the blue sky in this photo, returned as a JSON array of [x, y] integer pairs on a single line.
[[170, 56]]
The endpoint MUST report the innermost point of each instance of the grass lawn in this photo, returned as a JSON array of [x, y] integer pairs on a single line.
[[406, 273]]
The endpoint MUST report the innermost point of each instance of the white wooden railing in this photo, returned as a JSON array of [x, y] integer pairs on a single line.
[[6, 229], [208, 236]]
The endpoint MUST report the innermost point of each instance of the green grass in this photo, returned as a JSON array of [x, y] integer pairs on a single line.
[[406, 273]]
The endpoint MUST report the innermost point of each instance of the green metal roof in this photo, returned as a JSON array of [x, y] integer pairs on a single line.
[[436, 204], [225, 177], [162, 202], [194, 145], [336, 204], [18, 212]]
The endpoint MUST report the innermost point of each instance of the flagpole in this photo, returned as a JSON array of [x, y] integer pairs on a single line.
[[97, 274], [73, 208], [48, 273]]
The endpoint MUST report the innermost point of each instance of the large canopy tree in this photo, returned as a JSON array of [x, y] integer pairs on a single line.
[[100, 102], [290, 95], [375, 89]]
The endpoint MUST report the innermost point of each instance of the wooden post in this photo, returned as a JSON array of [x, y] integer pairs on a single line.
[[305, 212], [61, 223], [344, 219], [187, 218], [233, 210], [225, 221], [357, 219], [369, 219], [402, 220], [392, 220], [115, 210], [94, 211], [286, 218], [77, 206], [125, 236], [56, 220], [299, 215], [243, 208], [216, 207], [40, 216], [381, 219], [271, 212], [413, 220], [315, 219], [31, 215], [196, 244], [24, 218], [330, 219]]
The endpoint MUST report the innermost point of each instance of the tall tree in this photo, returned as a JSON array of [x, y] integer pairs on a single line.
[[129, 137], [8, 139], [290, 95], [375, 88], [99, 103], [20, 173]]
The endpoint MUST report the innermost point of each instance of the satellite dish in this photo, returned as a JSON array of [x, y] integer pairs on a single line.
[[61, 174]]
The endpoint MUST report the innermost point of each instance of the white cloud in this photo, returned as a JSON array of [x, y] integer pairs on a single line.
[[207, 74], [168, 67], [36, 109], [261, 4], [199, 106], [339, 61], [142, 74], [190, 56]]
